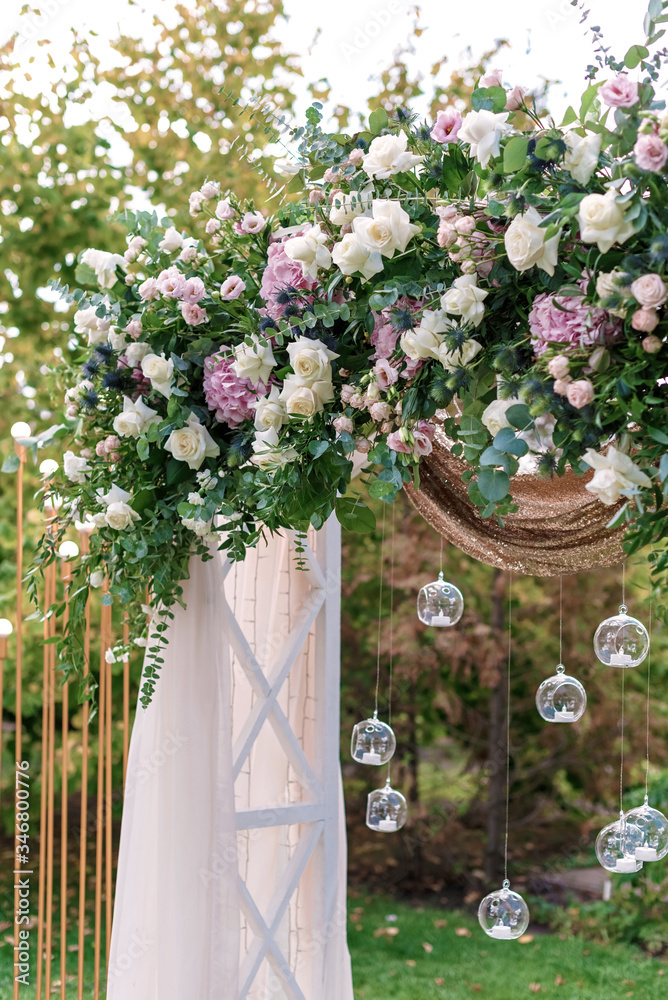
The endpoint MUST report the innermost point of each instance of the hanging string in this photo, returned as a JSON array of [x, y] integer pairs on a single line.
[[621, 766], [624, 583], [561, 617], [649, 674], [510, 652], [441, 566], [380, 608], [389, 693]]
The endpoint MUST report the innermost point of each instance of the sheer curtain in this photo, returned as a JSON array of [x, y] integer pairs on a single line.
[[195, 894]]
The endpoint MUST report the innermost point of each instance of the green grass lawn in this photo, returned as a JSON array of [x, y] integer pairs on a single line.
[[428, 961]]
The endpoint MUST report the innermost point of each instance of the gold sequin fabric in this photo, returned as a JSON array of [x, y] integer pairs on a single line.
[[559, 528]]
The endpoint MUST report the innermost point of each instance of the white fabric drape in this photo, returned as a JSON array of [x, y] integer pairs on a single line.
[[179, 923]]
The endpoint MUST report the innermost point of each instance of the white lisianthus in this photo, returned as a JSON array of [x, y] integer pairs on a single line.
[[581, 157], [120, 515], [310, 251], [387, 229], [311, 360], [494, 417], [254, 361], [305, 400], [75, 468], [268, 451], [614, 472], [346, 207], [526, 245], [452, 360], [424, 341], [483, 130], [270, 412], [388, 154], [171, 241], [602, 220], [135, 354], [465, 299], [159, 370], [135, 419], [192, 443], [352, 257], [104, 264]]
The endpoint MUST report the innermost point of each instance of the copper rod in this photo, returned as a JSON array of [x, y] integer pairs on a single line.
[[51, 681], [100, 795], [66, 576], [126, 700], [108, 801], [21, 452], [83, 547], [48, 600]]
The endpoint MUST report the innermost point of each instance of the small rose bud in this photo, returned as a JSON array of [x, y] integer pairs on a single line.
[[651, 344]]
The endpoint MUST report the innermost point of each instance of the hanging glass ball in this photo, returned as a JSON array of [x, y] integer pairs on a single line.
[[373, 742], [561, 698], [386, 810], [440, 603], [653, 827], [616, 846], [504, 914], [621, 641]]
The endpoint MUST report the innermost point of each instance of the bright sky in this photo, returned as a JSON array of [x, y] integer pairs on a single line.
[[350, 40]]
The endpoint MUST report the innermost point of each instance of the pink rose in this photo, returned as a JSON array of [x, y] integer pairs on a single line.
[[148, 289], [561, 386], [330, 176], [232, 287], [493, 79], [253, 222], [447, 126], [650, 152], [224, 210], [650, 291], [356, 401], [396, 443], [194, 290], [315, 196], [558, 366], [446, 234], [100, 450], [651, 344], [516, 98], [212, 226], [343, 425], [134, 329], [363, 444], [380, 411], [620, 92], [111, 443], [193, 314], [385, 374], [580, 393], [356, 156], [465, 226], [645, 320], [347, 393], [196, 200]]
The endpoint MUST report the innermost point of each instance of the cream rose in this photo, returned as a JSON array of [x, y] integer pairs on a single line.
[[310, 251], [120, 515], [650, 291], [270, 412], [614, 472], [351, 257], [135, 418], [483, 130], [346, 207], [453, 360], [104, 264], [388, 154], [494, 417], [465, 299], [254, 361], [159, 371], [388, 229], [192, 443], [526, 245], [581, 157], [305, 400], [424, 341], [311, 360], [602, 220]]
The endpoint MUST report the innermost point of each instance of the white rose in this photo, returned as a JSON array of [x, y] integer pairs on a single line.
[[581, 158], [104, 264], [97, 578], [310, 250], [270, 411], [85, 320], [350, 256], [483, 130], [135, 418], [465, 299], [75, 467], [494, 418], [388, 229], [526, 245], [116, 338], [135, 353], [388, 154], [171, 241], [424, 341], [159, 371], [346, 207], [614, 472], [305, 400], [452, 360], [99, 519], [602, 220], [268, 452], [254, 361], [120, 515], [310, 360], [192, 443]]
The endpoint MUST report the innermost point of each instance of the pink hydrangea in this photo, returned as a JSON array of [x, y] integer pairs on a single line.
[[279, 274], [227, 394], [570, 321]]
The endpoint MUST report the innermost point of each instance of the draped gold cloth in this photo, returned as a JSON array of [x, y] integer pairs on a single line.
[[559, 528]]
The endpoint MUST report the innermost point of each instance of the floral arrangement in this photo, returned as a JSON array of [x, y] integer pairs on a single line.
[[491, 272]]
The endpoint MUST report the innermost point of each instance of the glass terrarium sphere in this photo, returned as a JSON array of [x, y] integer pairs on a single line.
[[386, 810], [561, 698], [504, 914], [621, 641], [653, 827], [373, 742], [440, 603], [616, 846]]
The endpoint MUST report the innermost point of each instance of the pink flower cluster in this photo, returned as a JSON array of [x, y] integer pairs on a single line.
[[568, 320], [473, 246], [280, 273], [108, 448], [173, 284], [423, 437], [227, 394]]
